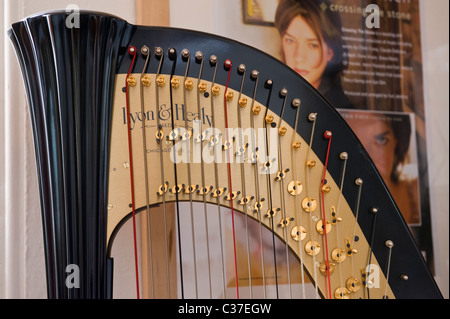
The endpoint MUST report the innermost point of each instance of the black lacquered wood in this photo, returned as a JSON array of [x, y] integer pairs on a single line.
[[69, 77]]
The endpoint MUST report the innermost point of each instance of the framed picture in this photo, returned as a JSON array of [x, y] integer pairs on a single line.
[[259, 12]]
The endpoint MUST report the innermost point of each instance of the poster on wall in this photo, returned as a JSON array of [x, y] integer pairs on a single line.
[[365, 58]]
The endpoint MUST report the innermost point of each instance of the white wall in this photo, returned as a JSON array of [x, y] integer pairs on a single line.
[[435, 35], [21, 254]]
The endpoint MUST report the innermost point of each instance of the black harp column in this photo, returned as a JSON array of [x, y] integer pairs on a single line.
[[69, 77]]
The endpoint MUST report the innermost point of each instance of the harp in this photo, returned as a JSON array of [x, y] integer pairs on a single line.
[[128, 118]]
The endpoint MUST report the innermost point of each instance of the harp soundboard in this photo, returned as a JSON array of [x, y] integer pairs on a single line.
[[225, 142]]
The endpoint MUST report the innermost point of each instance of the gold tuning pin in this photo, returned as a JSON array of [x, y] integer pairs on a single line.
[[243, 102], [323, 268], [282, 174], [204, 190], [350, 251], [309, 205], [215, 90], [176, 189], [146, 81], [295, 188], [338, 255], [282, 131], [342, 293], [269, 118], [232, 196], [298, 233], [312, 248], [218, 192], [245, 200], [202, 87], [272, 212], [190, 189], [353, 284], [311, 163], [131, 80], [285, 222], [162, 189], [321, 229], [189, 84], [175, 82], [256, 109], [161, 81]]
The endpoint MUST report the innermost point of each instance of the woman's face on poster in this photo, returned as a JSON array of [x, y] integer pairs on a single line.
[[304, 52], [378, 139]]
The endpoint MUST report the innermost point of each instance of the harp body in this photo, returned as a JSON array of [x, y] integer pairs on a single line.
[[106, 116]]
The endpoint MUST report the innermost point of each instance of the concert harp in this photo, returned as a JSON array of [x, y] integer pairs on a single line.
[[127, 118]]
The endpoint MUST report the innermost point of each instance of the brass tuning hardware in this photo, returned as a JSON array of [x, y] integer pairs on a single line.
[[342, 293], [353, 284], [281, 175], [146, 81], [215, 90], [272, 212], [189, 84], [285, 222], [243, 102], [162, 189], [131, 81], [309, 205], [161, 81], [350, 250], [338, 255], [202, 87], [294, 188], [298, 233], [323, 268], [312, 248], [321, 229], [256, 109]]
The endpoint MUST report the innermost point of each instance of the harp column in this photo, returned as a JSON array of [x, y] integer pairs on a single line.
[[69, 78]]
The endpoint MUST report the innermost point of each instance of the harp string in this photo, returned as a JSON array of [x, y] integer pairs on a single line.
[[254, 159], [374, 211], [132, 52], [390, 245], [213, 61], [145, 51], [350, 243], [187, 57], [328, 136], [241, 150], [173, 57], [228, 67], [312, 118], [294, 147], [284, 222], [267, 165], [344, 158], [199, 58], [159, 55]]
